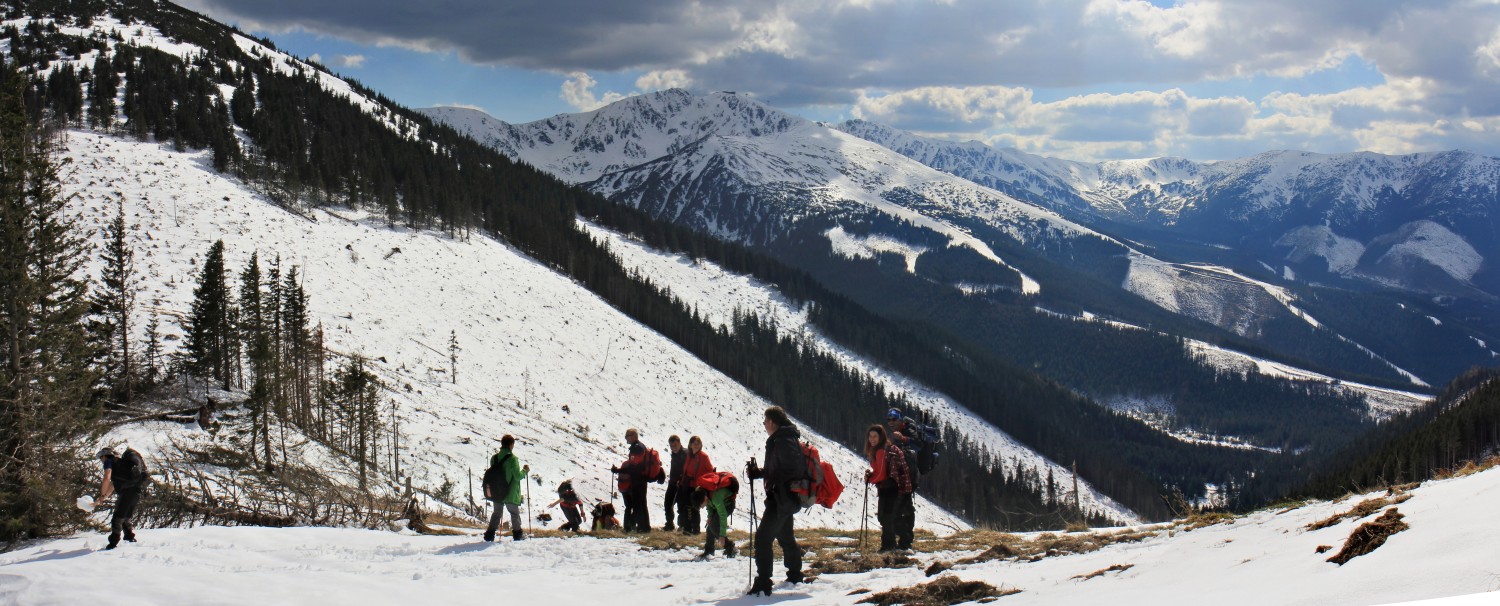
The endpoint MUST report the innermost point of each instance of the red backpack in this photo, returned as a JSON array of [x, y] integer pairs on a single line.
[[822, 486], [654, 472], [715, 480]]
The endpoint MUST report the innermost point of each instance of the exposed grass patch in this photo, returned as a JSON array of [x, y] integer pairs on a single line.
[[938, 567], [946, 590], [1100, 573], [1468, 468], [1361, 510], [1370, 536], [849, 560]]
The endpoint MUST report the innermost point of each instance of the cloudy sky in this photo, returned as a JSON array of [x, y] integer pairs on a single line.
[[1081, 79]]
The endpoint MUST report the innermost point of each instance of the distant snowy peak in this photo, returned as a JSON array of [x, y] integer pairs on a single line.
[[1161, 190], [583, 147]]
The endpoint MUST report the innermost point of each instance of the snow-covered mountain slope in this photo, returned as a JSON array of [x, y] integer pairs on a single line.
[[1436, 209], [1267, 557], [717, 294], [542, 358], [746, 172], [734, 167], [113, 33]]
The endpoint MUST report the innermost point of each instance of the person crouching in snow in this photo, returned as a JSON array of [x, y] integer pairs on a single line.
[[502, 485], [717, 491], [571, 505]]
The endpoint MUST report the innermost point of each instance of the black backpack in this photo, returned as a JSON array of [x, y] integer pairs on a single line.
[[495, 479], [129, 470]]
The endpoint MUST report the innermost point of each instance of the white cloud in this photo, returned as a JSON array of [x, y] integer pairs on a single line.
[[350, 61], [663, 79], [578, 91], [315, 58]]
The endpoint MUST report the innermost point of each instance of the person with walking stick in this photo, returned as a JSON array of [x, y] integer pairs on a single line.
[[785, 465], [892, 480], [502, 485]]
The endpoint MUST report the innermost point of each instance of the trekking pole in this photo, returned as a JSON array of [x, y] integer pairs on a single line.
[[530, 527], [750, 561], [864, 518]]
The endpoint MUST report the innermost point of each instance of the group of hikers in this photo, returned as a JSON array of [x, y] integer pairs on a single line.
[[693, 484], [792, 475]]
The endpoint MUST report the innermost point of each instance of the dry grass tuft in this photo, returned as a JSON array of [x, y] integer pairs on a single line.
[[938, 567], [1364, 509], [1208, 518], [1468, 468], [1369, 536], [849, 560], [1100, 573], [944, 591]]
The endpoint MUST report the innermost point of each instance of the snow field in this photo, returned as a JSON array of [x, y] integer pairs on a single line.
[[1267, 557], [533, 342]]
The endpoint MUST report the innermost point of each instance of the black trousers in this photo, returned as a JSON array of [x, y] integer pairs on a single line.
[[575, 518], [776, 525], [125, 502], [669, 504], [906, 519], [637, 512], [886, 510], [689, 518], [713, 532]]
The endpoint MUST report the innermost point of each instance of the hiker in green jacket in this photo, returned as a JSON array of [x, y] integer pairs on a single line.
[[502, 485], [717, 491]]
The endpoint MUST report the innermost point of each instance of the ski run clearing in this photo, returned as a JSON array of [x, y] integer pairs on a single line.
[[1267, 557]]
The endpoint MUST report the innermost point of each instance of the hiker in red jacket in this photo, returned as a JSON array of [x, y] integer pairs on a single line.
[[632, 482], [694, 465], [892, 479]]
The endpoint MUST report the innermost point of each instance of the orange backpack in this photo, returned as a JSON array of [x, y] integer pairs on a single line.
[[822, 486]]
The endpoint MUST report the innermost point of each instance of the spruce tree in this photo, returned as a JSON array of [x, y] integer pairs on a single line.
[[102, 90], [209, 330], [116, 299], [45, 374]]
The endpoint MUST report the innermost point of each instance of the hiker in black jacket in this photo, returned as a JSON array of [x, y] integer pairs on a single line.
[[784, 466], [128, 484], [674, 482]]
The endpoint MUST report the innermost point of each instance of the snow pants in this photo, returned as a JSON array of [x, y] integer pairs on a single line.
[[125, 503], [500, 509], [637, 511], [776, 525]]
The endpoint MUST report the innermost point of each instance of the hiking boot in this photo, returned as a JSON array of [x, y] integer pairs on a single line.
[[729, 550], [112, 545], [516, 535], [797, 578], [705, 556], [762, 586], [489, 536]]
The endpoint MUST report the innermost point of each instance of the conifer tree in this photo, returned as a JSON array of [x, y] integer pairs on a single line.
[[102, 90], [116, 298], [453, 356], [45, 374], [209, 329], [153, 349]]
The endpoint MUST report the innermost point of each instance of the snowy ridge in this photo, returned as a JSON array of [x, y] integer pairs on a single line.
[[106, 29], [676, 137], [533, 341], [717, 294]]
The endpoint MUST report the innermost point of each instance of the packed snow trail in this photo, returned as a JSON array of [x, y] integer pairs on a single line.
[[1268, 557]]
